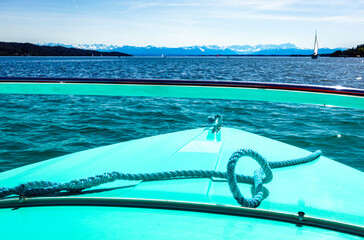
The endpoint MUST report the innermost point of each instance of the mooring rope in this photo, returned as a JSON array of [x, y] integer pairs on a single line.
[[262, 175]]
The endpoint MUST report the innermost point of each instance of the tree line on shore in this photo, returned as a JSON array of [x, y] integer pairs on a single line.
[[28, 49], [352, 52]]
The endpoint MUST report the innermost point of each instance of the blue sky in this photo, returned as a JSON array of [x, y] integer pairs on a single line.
[[173, 23]]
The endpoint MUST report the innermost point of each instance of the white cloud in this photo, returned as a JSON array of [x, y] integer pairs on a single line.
[[140, 5], [186, 22], [74, 2]]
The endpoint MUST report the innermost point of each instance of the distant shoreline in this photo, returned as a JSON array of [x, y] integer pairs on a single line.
[[29, 49], [176, 56], [33, 50]]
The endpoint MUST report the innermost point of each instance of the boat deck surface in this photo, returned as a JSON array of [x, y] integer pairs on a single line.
[[321, 189]]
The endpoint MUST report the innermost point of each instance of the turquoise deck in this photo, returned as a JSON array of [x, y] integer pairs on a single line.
[[136, 223], [322, 189]]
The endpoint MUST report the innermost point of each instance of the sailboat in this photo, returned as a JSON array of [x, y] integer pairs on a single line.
[[315, 49]]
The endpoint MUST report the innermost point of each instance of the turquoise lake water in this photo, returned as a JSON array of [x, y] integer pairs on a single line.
[[39, 127]]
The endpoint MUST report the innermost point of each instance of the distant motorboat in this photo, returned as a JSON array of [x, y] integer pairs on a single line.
[[315, 49]]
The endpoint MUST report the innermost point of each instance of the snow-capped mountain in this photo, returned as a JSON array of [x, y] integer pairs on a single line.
[[97, 47], [266, 49]]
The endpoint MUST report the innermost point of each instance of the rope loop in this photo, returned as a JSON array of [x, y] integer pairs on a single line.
[[258, 177]]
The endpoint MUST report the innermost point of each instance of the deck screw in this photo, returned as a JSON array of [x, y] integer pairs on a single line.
[[300, 216], [21, 199]]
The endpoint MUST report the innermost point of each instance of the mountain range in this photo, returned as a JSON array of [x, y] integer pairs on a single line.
[[267, 49]]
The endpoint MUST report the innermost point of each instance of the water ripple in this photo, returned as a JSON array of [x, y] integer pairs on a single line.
[[39, 127]]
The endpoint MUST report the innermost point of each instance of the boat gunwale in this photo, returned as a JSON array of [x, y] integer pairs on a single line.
[[210, 83], [299, 219]]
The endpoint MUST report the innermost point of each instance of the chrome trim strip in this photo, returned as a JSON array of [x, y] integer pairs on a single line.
[[298, 218]]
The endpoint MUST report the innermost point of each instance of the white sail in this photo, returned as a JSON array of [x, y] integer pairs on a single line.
[[315, 49]]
